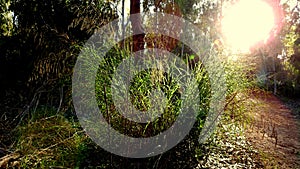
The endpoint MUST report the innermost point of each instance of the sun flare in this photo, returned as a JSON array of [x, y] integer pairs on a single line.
[[246, 23]]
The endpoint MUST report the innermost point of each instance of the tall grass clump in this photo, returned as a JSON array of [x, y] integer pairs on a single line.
[[141, 87]]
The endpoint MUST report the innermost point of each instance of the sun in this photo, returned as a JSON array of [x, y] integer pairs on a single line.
[[246, 23]]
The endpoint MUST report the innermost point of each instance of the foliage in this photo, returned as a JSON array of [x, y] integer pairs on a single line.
[[140, 90], [291, 64], [6, 18], [45, 47], [238, 76], [49, 141], [56, 35], [284, 50]]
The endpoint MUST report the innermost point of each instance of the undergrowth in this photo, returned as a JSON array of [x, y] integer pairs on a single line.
[[47, 139], [229, 147]]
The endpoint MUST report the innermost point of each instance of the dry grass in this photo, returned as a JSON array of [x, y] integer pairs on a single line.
[[47, 142]]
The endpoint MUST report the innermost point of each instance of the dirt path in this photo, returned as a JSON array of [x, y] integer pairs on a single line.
[[275, 130]]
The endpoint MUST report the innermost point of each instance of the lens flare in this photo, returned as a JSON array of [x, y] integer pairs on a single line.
[[246, 23]]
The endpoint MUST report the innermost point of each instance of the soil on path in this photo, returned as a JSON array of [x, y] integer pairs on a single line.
[[275, 130]]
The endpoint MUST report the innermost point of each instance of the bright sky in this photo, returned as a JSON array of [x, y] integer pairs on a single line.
[[127, 7], [247, 23]]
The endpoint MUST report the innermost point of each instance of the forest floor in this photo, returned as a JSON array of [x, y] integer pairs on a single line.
[[275, 130]]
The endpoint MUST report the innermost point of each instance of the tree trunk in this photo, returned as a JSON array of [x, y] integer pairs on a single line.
[[137, 25]]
